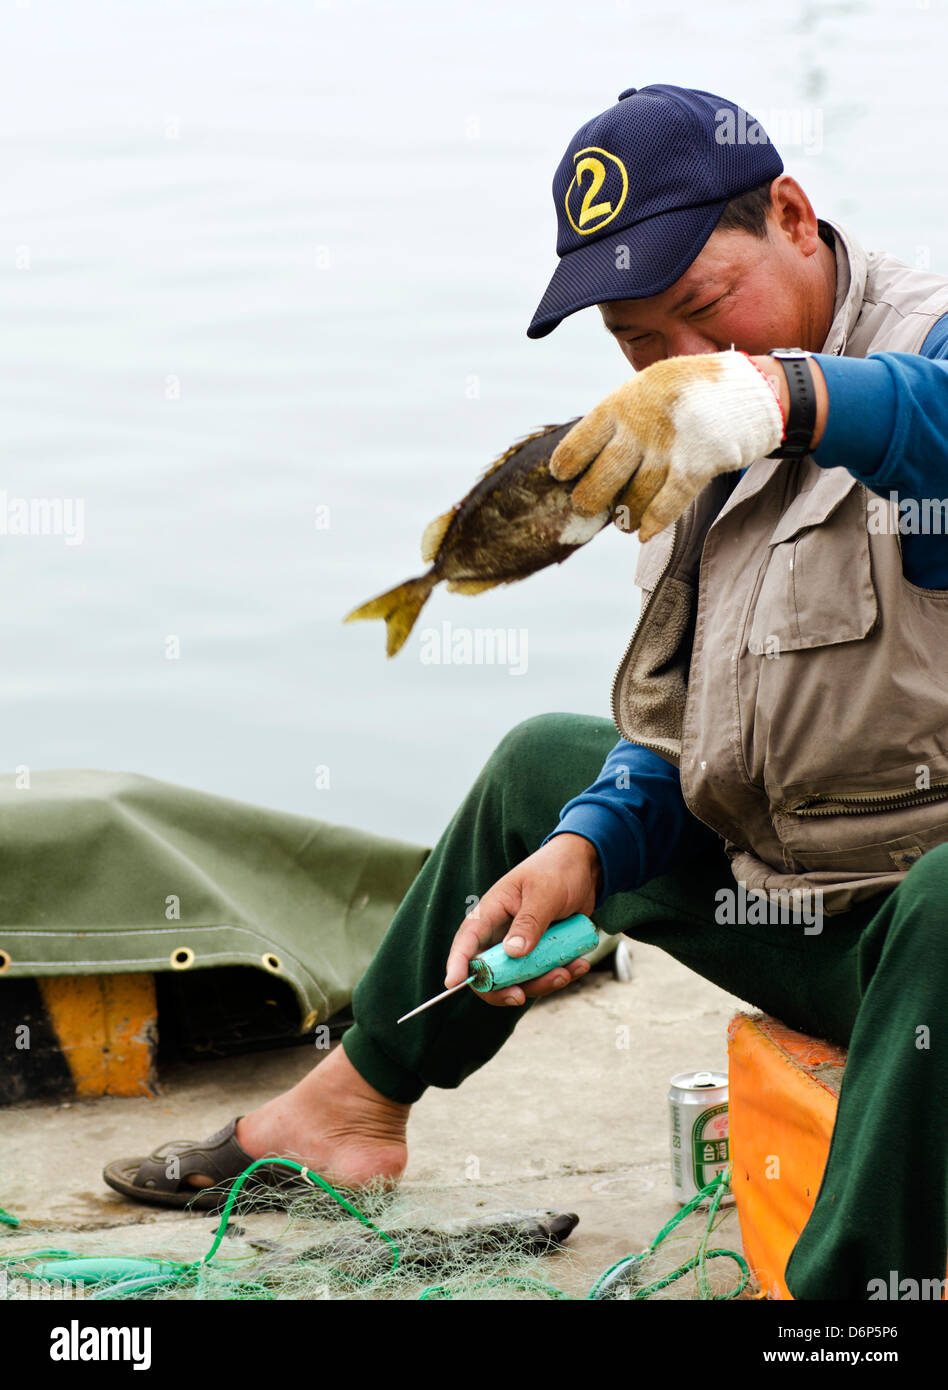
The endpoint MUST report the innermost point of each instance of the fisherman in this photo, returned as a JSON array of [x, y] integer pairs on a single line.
[[781, 705]]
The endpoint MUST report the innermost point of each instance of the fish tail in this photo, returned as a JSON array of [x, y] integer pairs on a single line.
[[399, 607]]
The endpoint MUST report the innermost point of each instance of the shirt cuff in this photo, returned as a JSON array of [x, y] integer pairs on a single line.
[[861, 418], [620, 846]]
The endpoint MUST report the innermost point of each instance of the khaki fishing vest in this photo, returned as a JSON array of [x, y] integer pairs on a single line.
[[783, 661]]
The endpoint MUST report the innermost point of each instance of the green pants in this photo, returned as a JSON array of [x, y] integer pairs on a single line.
[[873, 979]]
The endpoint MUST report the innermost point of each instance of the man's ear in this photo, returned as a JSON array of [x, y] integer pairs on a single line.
[[791, 215]]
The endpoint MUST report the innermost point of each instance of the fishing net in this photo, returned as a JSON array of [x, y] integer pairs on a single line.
[[410, 1244]]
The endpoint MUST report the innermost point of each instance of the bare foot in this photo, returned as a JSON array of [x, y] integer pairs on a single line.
[[335, 1123]]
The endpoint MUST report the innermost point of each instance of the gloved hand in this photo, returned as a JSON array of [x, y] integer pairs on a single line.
[[660, 438]]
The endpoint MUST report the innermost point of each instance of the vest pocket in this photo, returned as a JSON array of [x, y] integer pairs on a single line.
[[834, 832], [817, 585]]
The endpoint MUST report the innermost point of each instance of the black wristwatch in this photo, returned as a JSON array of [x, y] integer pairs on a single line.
[[801, 418]]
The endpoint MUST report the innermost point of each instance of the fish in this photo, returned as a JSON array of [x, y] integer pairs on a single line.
[[360, 1253], [516, 519]]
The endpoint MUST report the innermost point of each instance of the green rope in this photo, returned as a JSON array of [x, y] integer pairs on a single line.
[[310, 1177], [7, 1220], [716, 1190]]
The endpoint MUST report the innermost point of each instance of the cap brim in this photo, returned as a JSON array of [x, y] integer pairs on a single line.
[[634, 263]]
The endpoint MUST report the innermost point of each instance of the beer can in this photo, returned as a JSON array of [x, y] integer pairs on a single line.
[[700, 1146]]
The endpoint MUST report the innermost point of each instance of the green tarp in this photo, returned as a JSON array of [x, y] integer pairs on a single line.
[[104, 873]]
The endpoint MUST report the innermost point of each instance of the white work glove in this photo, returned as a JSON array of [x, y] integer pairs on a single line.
[[652, 445]]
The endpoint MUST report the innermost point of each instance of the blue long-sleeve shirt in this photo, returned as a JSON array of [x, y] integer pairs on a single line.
[[888, 425]]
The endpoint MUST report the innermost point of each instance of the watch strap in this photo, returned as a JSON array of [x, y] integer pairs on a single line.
[[801, 417]]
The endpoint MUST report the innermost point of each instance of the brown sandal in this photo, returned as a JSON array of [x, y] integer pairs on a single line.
[[220, 1157]]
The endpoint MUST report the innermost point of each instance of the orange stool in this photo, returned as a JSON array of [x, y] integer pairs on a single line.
[[782, 1098]]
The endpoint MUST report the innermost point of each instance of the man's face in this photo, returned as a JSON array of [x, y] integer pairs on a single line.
[[741, 290]]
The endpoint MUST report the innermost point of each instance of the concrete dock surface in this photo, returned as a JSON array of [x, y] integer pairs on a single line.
[[570, 1116]]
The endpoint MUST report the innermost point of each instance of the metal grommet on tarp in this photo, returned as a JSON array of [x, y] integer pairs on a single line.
[[6, 960], [271, 962], [181, 958]]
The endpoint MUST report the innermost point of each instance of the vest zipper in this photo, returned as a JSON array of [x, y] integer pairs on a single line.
[[631, 642], [855, 803]]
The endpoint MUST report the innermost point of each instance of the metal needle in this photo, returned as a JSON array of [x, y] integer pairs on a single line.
[[454, 989]]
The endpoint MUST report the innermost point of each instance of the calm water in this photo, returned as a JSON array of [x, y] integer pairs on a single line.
[[270, 265]]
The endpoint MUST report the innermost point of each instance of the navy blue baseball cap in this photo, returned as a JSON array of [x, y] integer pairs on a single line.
[[639, 191]]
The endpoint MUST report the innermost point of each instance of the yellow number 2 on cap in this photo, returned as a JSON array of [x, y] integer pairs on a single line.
[[597, 214]]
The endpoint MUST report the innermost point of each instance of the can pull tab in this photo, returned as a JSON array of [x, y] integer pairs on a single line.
[[703, 1078]]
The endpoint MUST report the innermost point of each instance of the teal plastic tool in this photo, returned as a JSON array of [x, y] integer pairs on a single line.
[[95, 1269], [494, 969]]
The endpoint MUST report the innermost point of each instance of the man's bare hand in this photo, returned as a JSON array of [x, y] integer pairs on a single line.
[[561, 878]]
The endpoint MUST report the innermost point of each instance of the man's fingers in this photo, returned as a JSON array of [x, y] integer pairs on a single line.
[[585, 440], [665, 507], [526, 929], [646, 482], [513, 994], [555, 979], [530, 922], [480, 928], [546, 984], [607, 477]]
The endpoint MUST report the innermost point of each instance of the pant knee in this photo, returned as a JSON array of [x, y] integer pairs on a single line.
[[528, 741]]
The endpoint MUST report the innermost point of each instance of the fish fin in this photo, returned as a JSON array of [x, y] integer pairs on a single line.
[[434, 535], [472, 586], [499, 463], [436, 530], [399, 607]]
